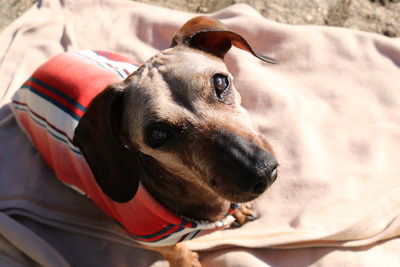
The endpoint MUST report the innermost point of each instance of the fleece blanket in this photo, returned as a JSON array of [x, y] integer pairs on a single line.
[[331, 107]]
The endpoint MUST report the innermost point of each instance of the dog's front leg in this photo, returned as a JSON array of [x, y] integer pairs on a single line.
[[178, 255], [243, 214]]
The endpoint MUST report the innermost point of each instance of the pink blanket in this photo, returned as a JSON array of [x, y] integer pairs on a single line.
[[331, 108]]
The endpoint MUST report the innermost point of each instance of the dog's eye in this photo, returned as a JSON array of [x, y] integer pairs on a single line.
[[220, 83], [157, 135]]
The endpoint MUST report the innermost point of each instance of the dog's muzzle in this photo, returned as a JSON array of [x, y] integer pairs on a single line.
[[249, 167]]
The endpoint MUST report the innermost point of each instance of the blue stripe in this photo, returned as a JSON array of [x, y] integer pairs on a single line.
[[45, 125], [103, 54], [194, 225], [59, 93], [195, 234], [119, 73], [51, 100], [103, 65], [167, 236], [235, 206], [161, 238], [162, 231]]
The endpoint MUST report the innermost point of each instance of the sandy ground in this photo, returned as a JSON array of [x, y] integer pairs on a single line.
[[380, 16]]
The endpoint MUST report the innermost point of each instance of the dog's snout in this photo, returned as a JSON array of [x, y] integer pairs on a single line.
[[266, 172], [274, 175], [251, 168], [267, 166], [266, 176], [260, 187]]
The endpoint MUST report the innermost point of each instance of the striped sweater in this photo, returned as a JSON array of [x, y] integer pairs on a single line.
[[48, 107]]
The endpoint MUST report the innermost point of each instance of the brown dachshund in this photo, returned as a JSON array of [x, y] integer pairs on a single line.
[[176, 125]]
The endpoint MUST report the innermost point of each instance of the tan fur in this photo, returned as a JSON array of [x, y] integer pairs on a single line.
[[178, 255], [147, 102], [175, 87]]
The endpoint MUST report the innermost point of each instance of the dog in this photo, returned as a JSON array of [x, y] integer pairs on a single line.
[[167, 152]]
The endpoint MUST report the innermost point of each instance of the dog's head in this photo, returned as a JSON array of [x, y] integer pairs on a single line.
[[178, 119]]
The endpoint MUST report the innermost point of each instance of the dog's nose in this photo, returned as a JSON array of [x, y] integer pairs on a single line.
[[262, 185], [251, 168]]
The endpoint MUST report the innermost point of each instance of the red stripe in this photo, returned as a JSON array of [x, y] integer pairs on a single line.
[[182, 238], [76, 78], [154, 239], [189, 224], [55, 97], [116, 57], [38, 137], [43, 119]]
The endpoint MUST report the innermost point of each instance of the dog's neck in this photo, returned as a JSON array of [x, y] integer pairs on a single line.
[[186, 198]]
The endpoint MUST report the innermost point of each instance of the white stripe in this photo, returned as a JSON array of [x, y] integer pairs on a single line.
[[54, 115], [191, 232], [90, 60], [172, 239], [73, 187], [116, 66], [41, 123], [191, 236]]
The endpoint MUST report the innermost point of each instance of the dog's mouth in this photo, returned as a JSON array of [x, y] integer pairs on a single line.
[[240, 194], [245, 167]]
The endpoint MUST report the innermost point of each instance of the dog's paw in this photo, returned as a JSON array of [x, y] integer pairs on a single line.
[[243, 215], [191, 259], [194, 260]]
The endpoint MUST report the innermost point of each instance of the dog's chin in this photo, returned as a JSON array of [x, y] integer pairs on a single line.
[[237, 196]]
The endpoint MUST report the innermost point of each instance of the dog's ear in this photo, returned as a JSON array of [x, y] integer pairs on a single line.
[[114, 167], [211, 36]]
